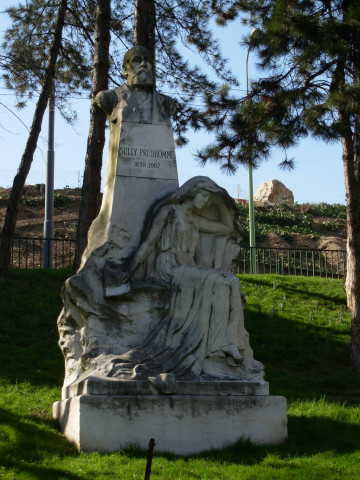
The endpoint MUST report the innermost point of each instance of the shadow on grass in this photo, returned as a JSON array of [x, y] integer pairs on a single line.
[[307, 359], [307, 437], [29, 442]]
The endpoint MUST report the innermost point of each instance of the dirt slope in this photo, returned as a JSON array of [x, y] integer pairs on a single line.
[[31, 220]]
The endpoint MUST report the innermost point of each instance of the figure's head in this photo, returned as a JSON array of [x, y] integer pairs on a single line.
[[199, 190], [138, 67]]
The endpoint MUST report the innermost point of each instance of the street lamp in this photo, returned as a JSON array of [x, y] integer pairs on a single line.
[[254, 32], [49, 188]]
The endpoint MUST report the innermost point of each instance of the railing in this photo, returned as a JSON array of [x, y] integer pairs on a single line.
[[27, 252], [305, 262]]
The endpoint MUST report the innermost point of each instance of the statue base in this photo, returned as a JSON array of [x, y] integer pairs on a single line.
[[204, 416]]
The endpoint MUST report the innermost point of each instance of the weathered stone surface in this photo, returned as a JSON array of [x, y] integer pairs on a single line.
[[272, 192], [142, 167], [112, 386], [181, 424], [173, 308]]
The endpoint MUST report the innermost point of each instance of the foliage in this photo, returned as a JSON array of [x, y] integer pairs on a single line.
[[60, 200], [285, 219], [26, 48], [30, 201], [308, 51], [331, 210], [185, 24], [298, 327]]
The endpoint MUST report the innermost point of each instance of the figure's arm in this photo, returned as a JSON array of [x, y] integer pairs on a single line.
[[106, 100], [225, 224], [148, 244]]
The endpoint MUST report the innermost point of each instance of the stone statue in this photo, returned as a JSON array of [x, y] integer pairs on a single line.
[[152, 328], [190, 244], [173, 307], [136, 100]]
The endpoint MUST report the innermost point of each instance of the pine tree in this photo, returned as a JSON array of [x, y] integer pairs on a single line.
[[25, 164], [163, 24], [310, 50]]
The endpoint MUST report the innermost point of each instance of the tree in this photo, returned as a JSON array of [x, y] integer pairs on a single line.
[[176, 24], [144, 25], [171, 23], [96, 138], [25, 164], [310, 50], [26, 48]]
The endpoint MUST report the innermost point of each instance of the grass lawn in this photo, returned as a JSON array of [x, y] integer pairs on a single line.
[[299, 328]]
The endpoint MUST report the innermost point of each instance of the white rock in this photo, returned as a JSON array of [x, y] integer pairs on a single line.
[[272, 192]]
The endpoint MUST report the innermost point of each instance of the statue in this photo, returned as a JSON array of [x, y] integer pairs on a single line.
[[141, 160], [136, 100], [204, 321], [190, 320], [152, 328]]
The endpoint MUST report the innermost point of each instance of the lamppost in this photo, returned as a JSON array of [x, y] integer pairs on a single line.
[[49, 188], [255, 31]]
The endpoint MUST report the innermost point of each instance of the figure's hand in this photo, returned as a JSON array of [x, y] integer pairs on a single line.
[[123, 276]]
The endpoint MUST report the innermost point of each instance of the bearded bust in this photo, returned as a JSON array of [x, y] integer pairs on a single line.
[[136, 100]]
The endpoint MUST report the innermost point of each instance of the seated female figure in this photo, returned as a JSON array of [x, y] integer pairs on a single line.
[[190, 243]]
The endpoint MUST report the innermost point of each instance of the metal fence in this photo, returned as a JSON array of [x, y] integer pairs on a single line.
[[27, 252], [306, 262]]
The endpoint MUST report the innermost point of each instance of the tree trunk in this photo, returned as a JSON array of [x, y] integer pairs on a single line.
[[352, 285], [89, 204], [26, 160], [144, 28], [351, 162], [144, 25]]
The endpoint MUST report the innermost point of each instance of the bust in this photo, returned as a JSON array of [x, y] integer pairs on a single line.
[[137, 100]]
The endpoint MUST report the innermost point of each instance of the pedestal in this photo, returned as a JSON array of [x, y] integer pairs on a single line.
[[107, 415], [181, 424]]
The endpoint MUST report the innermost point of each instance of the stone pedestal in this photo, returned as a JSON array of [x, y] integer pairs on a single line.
[[107, 414], [181, 424], [141, 169]]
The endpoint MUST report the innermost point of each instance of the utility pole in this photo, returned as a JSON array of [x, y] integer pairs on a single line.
[[250, 170], [49, 188]]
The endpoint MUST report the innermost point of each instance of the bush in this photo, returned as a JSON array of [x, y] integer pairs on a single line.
[[60, 200], [285, 219]]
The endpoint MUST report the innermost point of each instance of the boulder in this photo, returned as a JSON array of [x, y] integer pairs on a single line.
[[272, 192]]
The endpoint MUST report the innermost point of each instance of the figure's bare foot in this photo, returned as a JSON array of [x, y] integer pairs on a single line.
[[233, 351]]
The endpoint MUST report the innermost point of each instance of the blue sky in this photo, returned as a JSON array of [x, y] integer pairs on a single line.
[[318, 176]]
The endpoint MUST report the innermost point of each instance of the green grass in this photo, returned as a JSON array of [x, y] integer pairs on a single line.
[[298, 327]]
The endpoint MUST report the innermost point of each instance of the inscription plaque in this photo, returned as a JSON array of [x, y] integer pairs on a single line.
[[146, 151]]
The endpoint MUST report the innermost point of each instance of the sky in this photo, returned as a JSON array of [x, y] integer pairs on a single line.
[[317, 177]]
